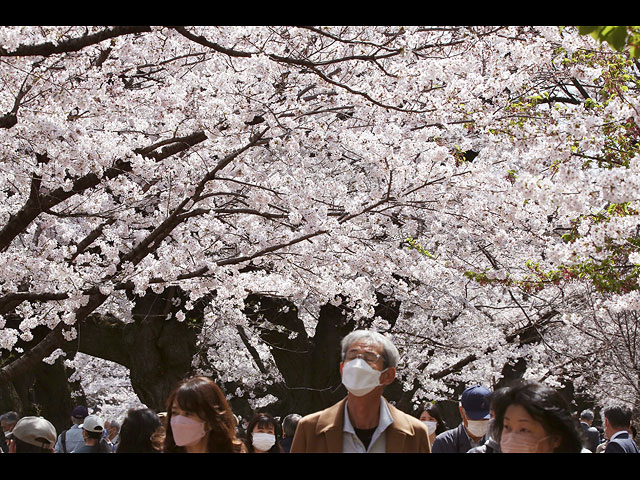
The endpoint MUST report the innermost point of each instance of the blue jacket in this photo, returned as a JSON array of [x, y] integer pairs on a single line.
[[69, 440]]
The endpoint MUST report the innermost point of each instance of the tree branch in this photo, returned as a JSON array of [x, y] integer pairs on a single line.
[[37, 204], [73, 44], [206, 43]]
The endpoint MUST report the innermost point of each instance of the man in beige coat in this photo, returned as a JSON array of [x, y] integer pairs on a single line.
[[363, 421]]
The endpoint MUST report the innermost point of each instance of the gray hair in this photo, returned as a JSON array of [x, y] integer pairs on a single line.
[[390, 352], [290, 423], [587, 415], [113, 423], [10, 417]]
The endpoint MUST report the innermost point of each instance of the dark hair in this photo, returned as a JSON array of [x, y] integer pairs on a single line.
[[262, 420], [546, 406], [24, 447], [433, 410], [290, 424], [137, 430], [200, 395], [93, 435], [619, 416]]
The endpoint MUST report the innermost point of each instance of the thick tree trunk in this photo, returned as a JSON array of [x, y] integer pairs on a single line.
[[310, 366], [44, 391], [158, 352], [156, 348]]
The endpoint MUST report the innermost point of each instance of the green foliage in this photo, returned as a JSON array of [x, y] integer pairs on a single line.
[[605, 275], [618, 37], [611, 273], [413, 244], [193, 323]]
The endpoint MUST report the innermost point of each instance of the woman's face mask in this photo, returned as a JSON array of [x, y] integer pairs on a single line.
[[187, 431], [516, 442], [431, 426], [263, 441]]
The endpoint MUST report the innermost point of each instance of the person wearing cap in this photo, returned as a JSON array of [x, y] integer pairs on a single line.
[[475, 413], [93, 435], [69, 439], [32, 435]]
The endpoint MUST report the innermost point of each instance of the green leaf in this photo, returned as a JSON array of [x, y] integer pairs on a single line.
[[586, 30], [616, 37]]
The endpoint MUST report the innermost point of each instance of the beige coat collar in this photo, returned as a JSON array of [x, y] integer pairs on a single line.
[[330, 424]]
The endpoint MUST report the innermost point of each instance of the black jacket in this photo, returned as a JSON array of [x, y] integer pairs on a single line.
[[622, 443]]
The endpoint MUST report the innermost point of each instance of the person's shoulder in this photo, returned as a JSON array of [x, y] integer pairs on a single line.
[[450, 433], [615, 445], [445, 441], [311, 417], [331, 411], [410, 419]]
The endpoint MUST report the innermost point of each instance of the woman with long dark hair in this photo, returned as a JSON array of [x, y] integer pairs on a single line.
[[432, 418], [199, 419], [262, 435]]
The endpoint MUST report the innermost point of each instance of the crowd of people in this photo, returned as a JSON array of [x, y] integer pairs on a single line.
[[526, 417]]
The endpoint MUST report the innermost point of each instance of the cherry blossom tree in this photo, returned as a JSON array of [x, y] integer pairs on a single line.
[[469, 191]]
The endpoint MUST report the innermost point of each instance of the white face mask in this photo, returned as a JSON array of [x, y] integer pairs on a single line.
[[478, 428], [359, 377], [263, 441], [187, 431], [431, 426]]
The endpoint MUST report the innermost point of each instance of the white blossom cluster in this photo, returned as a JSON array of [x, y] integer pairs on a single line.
[[320, 151]]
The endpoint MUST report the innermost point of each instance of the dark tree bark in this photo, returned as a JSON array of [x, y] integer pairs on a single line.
[[158, 352], [44, 391], [156, 348], [310, 366]]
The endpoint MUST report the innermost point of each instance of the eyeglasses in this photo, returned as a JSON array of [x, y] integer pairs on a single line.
[[370, 357]]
